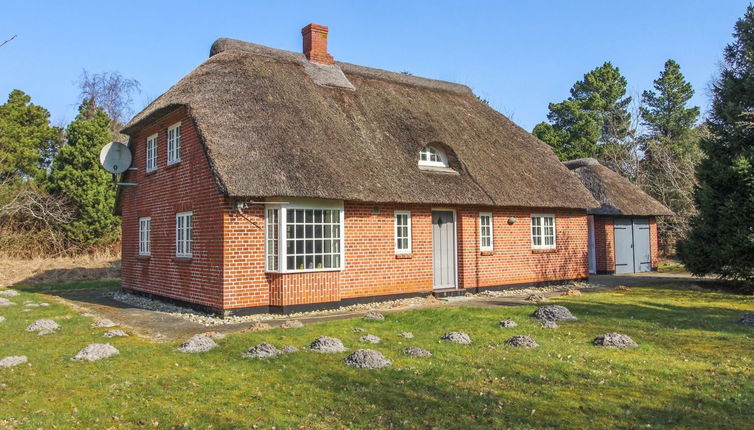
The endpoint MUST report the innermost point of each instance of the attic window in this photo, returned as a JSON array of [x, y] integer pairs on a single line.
[[433, 157]]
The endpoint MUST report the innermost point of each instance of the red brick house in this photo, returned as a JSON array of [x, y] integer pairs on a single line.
[[623, 228], [270, 180]]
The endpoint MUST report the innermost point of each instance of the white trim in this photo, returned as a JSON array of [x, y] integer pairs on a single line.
[[492, 232], [186, 241], [395, 232], [439, 152], [174, 145], [542, 226], [151, 139], [145, 236], [267, 210]]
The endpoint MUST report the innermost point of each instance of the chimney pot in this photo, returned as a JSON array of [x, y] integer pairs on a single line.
[[315, 44]]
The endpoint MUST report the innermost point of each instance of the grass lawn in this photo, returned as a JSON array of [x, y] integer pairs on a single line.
[[694, 369]]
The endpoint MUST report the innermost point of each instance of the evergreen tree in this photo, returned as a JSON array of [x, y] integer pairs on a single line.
[[671, 151], [595, 114], [76, 173], [721, 240], [27, 140]]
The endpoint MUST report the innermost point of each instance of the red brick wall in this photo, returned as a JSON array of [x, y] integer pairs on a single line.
[[604, 243], [654, 242], [185, 186], [372, 268]]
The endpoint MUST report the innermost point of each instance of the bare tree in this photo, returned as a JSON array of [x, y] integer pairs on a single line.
[[623, 154], [112, 92], [8, 41]]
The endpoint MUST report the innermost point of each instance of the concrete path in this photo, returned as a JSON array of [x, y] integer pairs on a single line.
[[163, 327]]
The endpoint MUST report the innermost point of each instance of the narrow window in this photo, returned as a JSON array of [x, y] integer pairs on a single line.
[[402, 232], [485, 231], [174, 143], [152, 153], [273, 234], [183, 236], [313, 239], [145, 236], [543, 231]]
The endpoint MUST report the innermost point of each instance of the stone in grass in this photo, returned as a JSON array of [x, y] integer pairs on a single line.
[[536, 298], [406, 334], [197, 343], [367, 359], [5, 302], [257, 326], [456, 337], [115, 333], [554, 313], [415, 351], [103, 323], [13, 360], [370, 338], [508, 324], [549, 324], [262, 350], [31, 305], [9, 293], [96, 351], [289, 349], [2, 318], [615, 340], [43, 327], [359, 330], [326, 344], [374, 316], [522, 342], [747, 319], [292, 324]]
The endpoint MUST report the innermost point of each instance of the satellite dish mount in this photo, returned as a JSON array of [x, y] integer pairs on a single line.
[[115, 157]]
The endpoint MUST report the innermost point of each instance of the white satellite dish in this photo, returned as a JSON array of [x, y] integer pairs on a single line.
[[115, 157]]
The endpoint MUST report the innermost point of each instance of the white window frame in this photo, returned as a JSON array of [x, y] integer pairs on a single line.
[[430, 150], [272, 244], [542, 244], [174, 143], [184, 237], [397, 237], [482, 246], [145, 236], [151, 153], [303, 204]]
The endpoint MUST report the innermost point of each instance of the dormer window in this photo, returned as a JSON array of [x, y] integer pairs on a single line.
[[433, 157]]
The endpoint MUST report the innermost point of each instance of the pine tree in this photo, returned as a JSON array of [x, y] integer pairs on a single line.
[[27, 140], [76, 173], [671, 151], [595, 114], [721, 240]]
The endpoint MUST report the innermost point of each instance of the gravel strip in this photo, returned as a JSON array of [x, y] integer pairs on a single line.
[[554, 313], [367, 359], [415, 351], [43, 327], [197, 343], [615, 340], [96, 351], [13, 360], [456, 337], [263, 350], [213, 320], [370, 338], [508, 324], [115, 333], [326, 344], [522, 342], [524, 292]]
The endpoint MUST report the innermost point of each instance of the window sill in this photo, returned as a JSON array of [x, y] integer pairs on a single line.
[[150, 172], [487, 252], [143, 257], [438, 169], [288, 272], [182, 259], [544, 251], [173, 165], [406, 256]]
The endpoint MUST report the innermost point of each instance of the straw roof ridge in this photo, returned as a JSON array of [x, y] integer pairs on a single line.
[[617, 195], [269, 130]]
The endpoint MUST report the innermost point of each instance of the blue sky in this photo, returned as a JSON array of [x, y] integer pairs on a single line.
[[520, 55]]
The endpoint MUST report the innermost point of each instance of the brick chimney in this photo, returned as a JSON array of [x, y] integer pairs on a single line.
[[315, 44]]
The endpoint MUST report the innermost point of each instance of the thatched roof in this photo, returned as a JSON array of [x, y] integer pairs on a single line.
[[616, 194], [274, 124]]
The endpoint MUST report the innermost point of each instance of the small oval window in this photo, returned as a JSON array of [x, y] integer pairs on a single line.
[[434, 157]]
